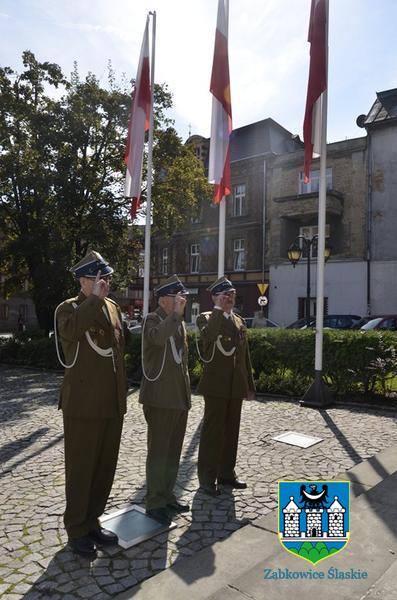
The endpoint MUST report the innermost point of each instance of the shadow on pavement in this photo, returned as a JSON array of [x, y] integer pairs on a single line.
[[8, 468]]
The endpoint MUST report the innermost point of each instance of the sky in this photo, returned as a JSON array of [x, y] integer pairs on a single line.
[[268, 53]]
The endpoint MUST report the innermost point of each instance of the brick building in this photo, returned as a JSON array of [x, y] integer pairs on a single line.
[[192, 252]]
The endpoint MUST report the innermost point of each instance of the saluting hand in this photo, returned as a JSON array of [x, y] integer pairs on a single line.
[[224, 302], [101, 287], [179, 304]]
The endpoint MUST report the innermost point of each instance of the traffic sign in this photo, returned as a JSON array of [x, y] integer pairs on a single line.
[[262, 287], [262, 300]]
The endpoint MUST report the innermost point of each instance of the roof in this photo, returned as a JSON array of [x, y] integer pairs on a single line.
[[383, 109], [255, 139]]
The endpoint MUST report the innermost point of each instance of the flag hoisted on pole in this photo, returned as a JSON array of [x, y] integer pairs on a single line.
[[221, 125], [317, 85], [138, 126], [315, 137]]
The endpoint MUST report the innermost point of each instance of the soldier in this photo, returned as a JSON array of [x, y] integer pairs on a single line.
[[93, 401], [226, 380], [165, 395]]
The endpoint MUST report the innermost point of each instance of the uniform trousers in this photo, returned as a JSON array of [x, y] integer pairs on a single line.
[[219, 439], [165, 434], [91, 451]]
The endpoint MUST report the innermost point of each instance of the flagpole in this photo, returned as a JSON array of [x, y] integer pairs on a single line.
[[146, 274], [221, 237], [222, 204], [318, 395]]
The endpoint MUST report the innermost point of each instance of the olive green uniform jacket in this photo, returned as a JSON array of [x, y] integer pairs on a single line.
[[95, 387], [172, 388], [224, 376]]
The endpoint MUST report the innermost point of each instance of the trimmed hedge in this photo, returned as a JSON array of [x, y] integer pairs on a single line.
[[354, 363]]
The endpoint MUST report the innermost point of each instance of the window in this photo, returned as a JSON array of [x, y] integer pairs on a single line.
[[308, 232], [195, 258], [239, 255], [164, 261], [4, 311], [196, 217], [239, 203], [313, 185]]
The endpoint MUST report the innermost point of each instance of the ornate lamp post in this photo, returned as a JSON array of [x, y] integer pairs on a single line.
[[295, 254]]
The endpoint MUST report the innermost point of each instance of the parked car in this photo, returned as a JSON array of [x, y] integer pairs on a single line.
[[264, 322], [385, 323], [330, 322]]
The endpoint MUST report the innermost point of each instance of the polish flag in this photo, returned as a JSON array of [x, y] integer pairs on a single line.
[[317, 83], [138, 125], [221, 122]]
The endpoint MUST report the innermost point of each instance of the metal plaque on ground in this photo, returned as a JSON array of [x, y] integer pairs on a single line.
[[132, 525], [297, 439]]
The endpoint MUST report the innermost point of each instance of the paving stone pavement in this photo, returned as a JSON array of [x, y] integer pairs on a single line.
[[34, 561]]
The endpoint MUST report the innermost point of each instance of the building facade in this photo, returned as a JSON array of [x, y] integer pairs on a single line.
[[192, 252]]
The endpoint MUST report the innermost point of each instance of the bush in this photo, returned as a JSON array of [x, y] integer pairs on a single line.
[[354, 363]]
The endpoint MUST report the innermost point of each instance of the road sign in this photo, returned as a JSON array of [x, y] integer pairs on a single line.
[[262, 301], [262, 287]]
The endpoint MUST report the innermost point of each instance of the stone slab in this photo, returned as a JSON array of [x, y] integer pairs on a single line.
[[209, 570]]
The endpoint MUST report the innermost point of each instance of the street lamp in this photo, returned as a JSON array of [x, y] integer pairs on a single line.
[[295, 254]]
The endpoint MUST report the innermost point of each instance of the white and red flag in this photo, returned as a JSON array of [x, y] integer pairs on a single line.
[[221, 123], [138, 125], [317, 83]]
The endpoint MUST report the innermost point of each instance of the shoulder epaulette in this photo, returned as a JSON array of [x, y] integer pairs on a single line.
[[112, 301], [71, 300]]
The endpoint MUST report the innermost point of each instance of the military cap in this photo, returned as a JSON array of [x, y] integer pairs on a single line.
[[172, 286], [220, 286], [90, 265]]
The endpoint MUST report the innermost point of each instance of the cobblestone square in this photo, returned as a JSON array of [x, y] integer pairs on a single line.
[[34, 561]]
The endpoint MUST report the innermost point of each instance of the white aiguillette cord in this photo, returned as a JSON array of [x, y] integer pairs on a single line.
[[217, 344], [177, 355], [105, 352]]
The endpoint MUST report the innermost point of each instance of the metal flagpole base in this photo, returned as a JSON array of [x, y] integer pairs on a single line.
[[318, 394]]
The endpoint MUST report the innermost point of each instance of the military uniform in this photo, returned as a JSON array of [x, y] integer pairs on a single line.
[[93, 400], [226, 380], [165, 395]]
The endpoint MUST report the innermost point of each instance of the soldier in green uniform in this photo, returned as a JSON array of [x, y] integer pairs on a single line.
[[226, 380], [93, 401], [165, 395]]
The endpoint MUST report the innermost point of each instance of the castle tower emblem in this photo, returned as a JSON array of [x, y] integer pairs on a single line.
[[311, 526]]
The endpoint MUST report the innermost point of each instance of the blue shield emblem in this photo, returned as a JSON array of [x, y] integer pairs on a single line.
[[313, 518]]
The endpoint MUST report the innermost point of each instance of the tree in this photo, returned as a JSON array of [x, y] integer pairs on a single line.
[[62, 177], [179, 186]]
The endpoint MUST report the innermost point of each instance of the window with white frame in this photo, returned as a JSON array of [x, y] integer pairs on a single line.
[[313, 185], [195, 258], [239, 255], [308, 231], [239, 201], [164, 261]]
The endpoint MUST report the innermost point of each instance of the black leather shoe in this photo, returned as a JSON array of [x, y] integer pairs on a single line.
[[159, 514], [234, 483], [84, 546], [177, 507], [103, 536], [210, 490]]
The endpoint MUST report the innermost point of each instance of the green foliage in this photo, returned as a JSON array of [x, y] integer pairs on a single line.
[[62, 175], [354, 363], [180, 185]]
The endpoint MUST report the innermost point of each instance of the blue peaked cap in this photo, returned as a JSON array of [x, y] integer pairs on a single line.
[[90, 265], [220, 286], [172, 286]]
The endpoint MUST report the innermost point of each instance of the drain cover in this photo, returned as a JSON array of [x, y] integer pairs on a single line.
[[297, 439], [132, 525]]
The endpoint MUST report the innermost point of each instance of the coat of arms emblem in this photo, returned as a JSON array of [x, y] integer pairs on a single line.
[[313, 518]]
